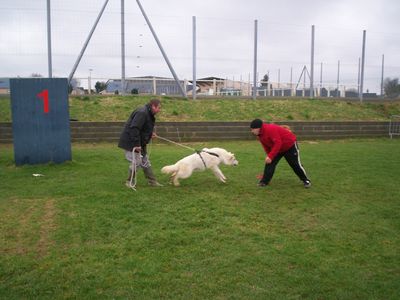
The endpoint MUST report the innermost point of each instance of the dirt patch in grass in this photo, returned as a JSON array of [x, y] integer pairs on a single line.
[[24, 220], [46, 228], [27, 227]]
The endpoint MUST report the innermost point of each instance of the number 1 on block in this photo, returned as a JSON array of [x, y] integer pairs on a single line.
[[45, 96]]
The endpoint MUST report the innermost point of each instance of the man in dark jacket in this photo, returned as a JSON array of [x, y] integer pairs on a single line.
[[137, 133], [278, 142]]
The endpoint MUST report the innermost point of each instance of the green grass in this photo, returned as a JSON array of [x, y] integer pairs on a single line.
[[78, 232], [118, 108]]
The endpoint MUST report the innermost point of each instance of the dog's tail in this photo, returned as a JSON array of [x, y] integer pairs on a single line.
[[172, 169]]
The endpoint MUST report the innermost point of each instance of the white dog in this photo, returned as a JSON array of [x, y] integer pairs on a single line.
[[204, 159]]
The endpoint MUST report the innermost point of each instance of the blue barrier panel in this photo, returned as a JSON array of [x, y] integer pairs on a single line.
[[40, 120]]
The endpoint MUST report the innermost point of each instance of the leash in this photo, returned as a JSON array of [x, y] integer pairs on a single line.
[[187, 147], [144, 163], [132, 180], [178, 144]]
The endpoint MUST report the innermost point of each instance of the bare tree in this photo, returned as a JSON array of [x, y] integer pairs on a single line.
[[265, 80], [391, 87], [36, 75], [100, 86], [74, 83]]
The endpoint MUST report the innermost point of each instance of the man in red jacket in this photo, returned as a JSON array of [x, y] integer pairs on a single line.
[[278, 142]]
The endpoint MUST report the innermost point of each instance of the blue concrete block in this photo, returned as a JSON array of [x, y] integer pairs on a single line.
[[40, 120]]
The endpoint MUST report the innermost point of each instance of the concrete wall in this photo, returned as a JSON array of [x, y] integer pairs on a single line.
[[206, 131]]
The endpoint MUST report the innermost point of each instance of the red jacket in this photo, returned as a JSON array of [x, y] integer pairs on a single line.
[[275, 139]]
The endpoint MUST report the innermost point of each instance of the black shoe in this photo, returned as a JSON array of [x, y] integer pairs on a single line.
[[261, 184], [307, 184]]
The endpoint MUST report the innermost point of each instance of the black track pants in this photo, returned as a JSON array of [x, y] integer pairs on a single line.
[[292, 156]]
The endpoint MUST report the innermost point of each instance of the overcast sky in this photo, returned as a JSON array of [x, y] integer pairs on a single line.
[[225, 38]]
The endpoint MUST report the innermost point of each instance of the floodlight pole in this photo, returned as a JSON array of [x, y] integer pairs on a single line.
[[161, 49], [291, 77], [337, 79], [123, 47], [279, 78], [320, 80], [50, 66], [358, 78], [86, 42], [255, 61], [383, 69], [312, 62], [194, 59], [362, 67]]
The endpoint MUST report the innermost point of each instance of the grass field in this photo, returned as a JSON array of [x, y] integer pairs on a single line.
[[118, 108], [78, 232]]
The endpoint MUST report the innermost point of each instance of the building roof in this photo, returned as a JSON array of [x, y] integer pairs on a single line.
[[210, 78], [4, 83]]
